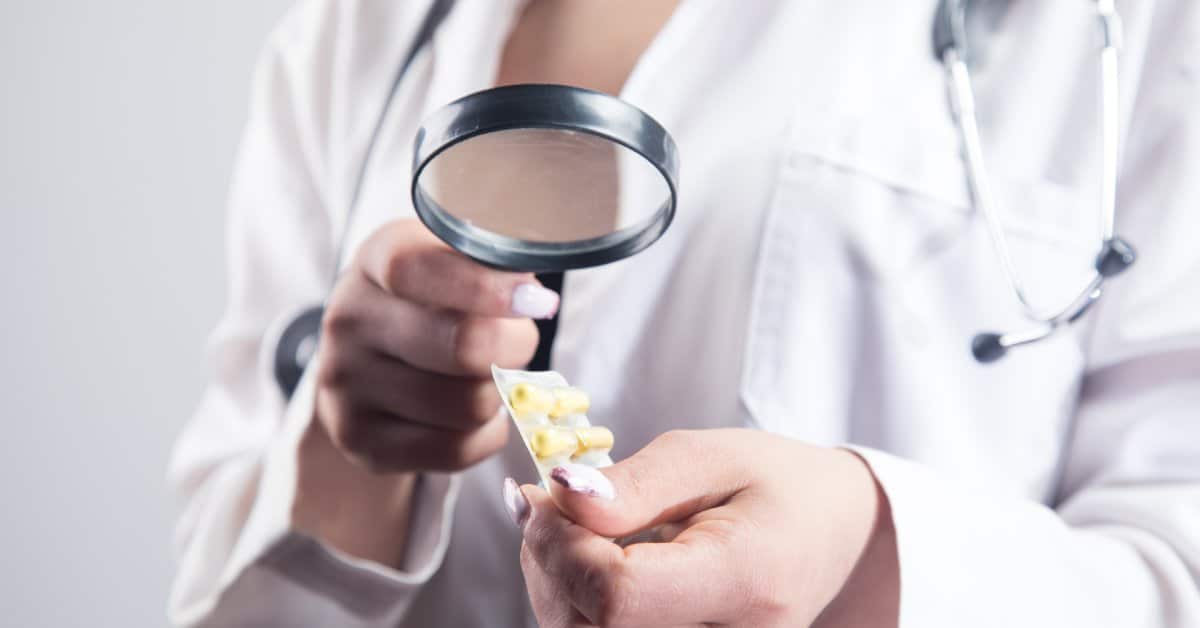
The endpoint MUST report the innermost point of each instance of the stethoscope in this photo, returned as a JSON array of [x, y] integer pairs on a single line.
[[561, 130], [1115, 254]]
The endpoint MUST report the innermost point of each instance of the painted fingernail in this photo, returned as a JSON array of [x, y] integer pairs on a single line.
[[585, 480], [534, 301], [514, 500]]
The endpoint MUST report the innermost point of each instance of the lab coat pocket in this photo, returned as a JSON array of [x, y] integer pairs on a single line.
[[873, 275]]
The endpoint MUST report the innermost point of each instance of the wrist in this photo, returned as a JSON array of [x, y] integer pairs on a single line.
[[351, 509], [870, 595]]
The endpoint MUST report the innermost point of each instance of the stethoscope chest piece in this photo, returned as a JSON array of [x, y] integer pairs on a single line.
[[295, 345]]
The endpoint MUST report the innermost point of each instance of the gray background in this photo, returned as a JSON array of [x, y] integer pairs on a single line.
[[118, 122]]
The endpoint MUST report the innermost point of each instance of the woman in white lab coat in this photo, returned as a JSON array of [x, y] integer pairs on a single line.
[[820, 286]]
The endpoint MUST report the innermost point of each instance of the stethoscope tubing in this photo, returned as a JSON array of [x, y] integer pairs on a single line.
[[1114, 254]]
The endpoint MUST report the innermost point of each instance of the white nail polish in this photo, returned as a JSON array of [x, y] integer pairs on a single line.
[[514, 500], [580, 478], [534, 301]]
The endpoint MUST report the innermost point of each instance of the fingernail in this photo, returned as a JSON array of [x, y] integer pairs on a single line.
[[514, 500], [585, 480], [534, 301]]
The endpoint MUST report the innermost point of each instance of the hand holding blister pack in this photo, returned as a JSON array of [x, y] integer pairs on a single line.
[[551, 417]]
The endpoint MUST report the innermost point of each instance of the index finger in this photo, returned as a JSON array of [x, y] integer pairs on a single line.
[[406, 260]]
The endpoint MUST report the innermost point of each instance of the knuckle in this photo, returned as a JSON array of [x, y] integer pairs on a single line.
[[635, 480], [386, 236], [459, 459], [542, 539], [529, 338], [762, 597], [528, 563], [670, 438], [444, 332], [388, 250], [346, 435], [472, 347], [496, 295], [676, 443], [340, 320], [611, 591], [371, 463], [640, 473], [335, 371], [496, 438], [363, 254], [477, 283], [397, 269], [487, 291], [349, 435], [484, 402], [455, 454], [469, 449], [360, 444]]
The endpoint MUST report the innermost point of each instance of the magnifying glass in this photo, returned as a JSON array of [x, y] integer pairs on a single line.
[[544, 178], [531, 178]]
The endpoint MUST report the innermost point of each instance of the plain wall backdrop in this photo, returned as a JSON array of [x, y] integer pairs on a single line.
[[118, 124]]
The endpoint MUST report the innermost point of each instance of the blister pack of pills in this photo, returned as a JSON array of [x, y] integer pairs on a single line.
[[551, 417]]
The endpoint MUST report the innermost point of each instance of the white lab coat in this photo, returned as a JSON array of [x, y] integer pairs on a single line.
[[822, 281]]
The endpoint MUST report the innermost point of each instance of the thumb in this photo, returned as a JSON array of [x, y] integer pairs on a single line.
[[677, 475]]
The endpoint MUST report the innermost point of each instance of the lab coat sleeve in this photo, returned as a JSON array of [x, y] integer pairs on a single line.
[[1120, 545], [240, 560]]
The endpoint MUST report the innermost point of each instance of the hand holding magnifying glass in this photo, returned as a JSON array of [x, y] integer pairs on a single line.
[[409, 337], [522, 178]]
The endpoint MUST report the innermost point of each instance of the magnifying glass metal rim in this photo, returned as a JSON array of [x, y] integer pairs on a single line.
[[544, 106]]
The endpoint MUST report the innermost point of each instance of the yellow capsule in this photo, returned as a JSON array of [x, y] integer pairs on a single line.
[[593, 438], [528, 399], [568, 401], [552, 442]]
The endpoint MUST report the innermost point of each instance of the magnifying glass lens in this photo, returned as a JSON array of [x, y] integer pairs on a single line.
[[544, 178], [544, 185]]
